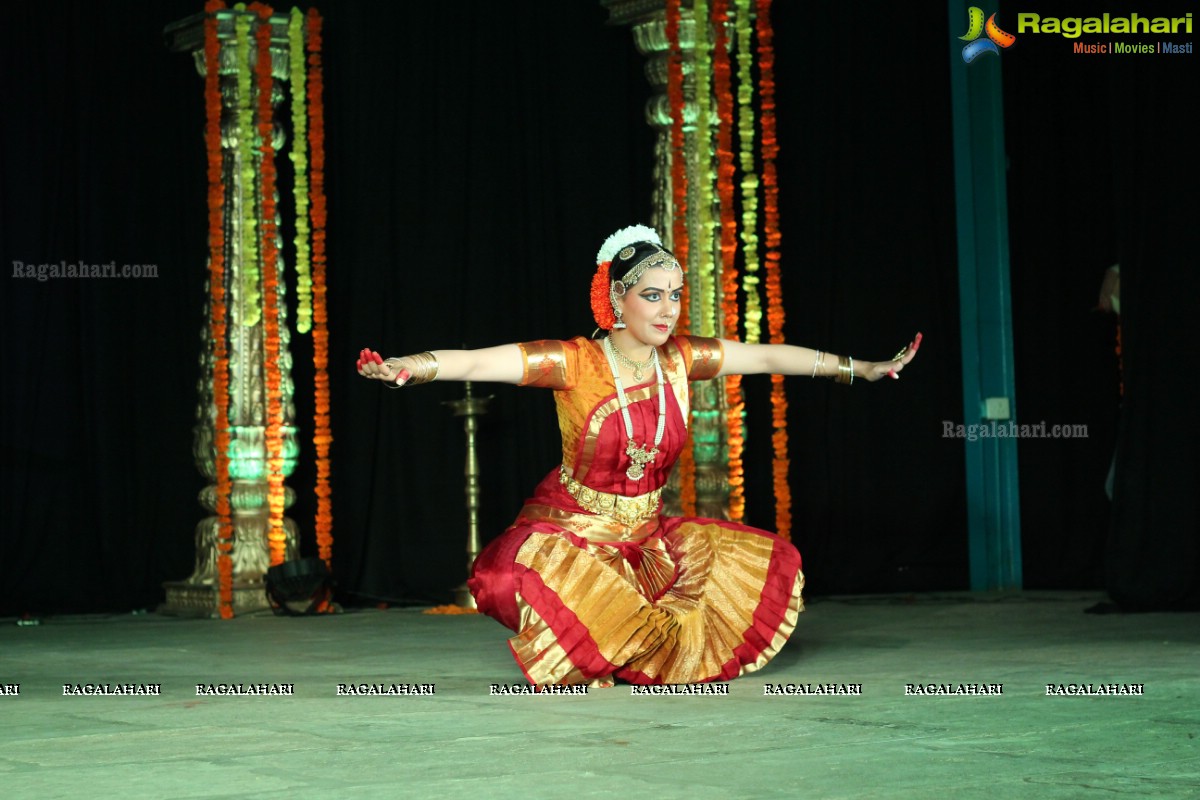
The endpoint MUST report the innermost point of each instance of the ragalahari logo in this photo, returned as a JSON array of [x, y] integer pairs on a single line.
[[995, 40]]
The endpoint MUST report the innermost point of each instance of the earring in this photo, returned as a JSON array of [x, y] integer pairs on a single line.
[[613, 294]]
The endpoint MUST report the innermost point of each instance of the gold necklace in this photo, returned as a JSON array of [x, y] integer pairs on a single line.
[[639, 457], [636, 366]]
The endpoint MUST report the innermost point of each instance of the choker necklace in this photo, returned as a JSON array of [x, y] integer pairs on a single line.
[[640, 456], [636, 366]]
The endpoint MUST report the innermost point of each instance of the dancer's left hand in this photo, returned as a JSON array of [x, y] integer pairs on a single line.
[[874, 370]]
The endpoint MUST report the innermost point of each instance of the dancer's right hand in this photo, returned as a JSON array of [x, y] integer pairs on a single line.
[[372, 365]]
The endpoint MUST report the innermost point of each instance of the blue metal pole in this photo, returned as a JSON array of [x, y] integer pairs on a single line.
[[985, 296]]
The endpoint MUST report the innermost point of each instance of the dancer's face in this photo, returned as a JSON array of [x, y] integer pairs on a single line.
[[651, 306]]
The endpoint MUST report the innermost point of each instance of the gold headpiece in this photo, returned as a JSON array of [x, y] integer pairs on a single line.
[[659, 258]]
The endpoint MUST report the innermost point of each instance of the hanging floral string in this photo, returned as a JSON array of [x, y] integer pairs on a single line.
[[734, 403], [299, 158], [248, 295], [745, 95], [276, 535], [679, 177], [322, 434], [775, 315], [216, 282], [703, 276], [770, 182], [679, 232]]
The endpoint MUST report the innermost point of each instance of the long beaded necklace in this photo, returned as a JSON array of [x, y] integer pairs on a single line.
[[639, 456]]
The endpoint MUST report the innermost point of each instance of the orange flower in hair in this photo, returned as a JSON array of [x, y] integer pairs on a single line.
[[602, 309]]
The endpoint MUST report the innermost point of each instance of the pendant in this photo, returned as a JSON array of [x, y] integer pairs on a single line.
[[640, 457], [637, 373]]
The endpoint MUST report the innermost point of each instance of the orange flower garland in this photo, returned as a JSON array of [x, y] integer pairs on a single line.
[[679, 177], [703, 273], [216, 267], [601, 299], [322, 434], [276, 535], [775, 316], [679, 231], [735, 405]]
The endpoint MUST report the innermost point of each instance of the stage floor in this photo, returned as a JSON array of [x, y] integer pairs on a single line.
[[463, 741]]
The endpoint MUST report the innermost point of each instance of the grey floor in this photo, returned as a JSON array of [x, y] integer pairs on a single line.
[[463, 742]]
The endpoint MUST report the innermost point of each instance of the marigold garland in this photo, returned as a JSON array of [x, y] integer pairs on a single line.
[[602, 308], [734, 403], [248, 298], [216, 267], [775, 315], [770, 150], [749, 184], [706, 324], [679, 232], [322, 434], [276, 535], [299, 159], [679, 177]]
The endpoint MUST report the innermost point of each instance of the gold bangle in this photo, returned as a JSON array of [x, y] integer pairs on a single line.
[[845, 373], [422, 367]]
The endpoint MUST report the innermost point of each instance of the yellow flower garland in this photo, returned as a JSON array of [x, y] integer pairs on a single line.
[[706, 325], [249, 294], [299, 158], [749, 234]]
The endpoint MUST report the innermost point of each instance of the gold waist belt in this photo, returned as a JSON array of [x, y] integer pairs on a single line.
[[626, 510]]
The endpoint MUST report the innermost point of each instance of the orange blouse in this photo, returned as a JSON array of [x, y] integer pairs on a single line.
[[579, 374]]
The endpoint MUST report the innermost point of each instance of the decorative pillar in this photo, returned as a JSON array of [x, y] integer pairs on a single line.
[[198, 595], [647, 19]]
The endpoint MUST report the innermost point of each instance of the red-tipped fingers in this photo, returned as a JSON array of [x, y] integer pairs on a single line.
[[378, 358], [892, 374], [916, 343], [403, 377]]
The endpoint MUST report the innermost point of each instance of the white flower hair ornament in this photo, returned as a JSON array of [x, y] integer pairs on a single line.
[[625, 237]]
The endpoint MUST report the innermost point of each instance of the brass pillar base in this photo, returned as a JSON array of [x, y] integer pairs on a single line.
[[203, 600], [463, 598]]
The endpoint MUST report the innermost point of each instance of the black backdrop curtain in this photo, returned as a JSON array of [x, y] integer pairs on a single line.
[[478, 154], [1102, 171]]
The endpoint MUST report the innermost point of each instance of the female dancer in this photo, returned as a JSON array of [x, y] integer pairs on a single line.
[[595, 582]]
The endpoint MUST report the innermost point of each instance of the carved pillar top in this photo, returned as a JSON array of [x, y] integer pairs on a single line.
[[628, 12], [187, 36]]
